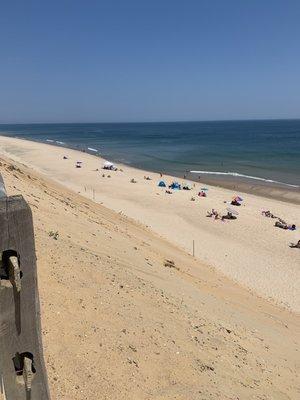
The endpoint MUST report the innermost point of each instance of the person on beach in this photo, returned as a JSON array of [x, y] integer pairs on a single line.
[[210, 213], [296, 245], [228, 216], [284, 225], [213, 213], [235, 203], [268, 214]]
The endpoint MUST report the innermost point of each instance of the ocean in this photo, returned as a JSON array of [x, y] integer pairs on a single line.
[[258, 150]]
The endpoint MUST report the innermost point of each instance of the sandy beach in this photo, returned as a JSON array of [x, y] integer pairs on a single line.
[[117, 323], [267, 190], [250, 250]]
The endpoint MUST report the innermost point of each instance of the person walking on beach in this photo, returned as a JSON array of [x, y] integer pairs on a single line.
[[295, 246]]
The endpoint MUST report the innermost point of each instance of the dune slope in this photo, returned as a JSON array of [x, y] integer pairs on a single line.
[[119, 324]]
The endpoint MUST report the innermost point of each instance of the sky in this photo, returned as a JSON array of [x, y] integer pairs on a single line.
[[158, 60]]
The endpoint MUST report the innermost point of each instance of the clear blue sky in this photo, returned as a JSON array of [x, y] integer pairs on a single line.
[[154, 60]]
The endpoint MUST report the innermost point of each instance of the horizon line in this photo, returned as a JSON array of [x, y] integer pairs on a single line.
[[152, 122]]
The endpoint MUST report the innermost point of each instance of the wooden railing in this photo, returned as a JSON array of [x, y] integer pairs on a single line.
[[22, 370]]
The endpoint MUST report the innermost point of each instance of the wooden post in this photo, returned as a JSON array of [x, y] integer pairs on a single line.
[[2, 188], [193, 248], [20, 328]]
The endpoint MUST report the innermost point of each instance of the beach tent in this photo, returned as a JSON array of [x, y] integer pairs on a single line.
[[175, 186], [109, 165], [237, 198], [162, 184]]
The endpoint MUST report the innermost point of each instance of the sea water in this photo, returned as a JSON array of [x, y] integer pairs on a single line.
[[259, 150]]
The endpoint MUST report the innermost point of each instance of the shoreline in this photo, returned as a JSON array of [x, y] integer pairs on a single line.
[[248, 250], [270, 190]]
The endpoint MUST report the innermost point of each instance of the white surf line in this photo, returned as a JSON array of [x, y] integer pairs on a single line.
[[242, 176]]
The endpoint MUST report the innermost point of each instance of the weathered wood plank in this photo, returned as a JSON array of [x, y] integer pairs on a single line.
[[2, 188], [20, 330]]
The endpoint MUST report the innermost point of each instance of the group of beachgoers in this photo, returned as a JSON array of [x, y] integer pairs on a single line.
[[178, 186], [280, 223], [203, 192], [173, 186], [109, 166], [217, 216], [231, 213]]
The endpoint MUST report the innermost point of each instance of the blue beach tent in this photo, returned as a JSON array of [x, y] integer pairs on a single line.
[[162, 184], [175, 185]]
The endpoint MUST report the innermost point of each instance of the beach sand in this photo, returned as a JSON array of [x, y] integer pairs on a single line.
[[268, 190], [250, 250], [119, 324]]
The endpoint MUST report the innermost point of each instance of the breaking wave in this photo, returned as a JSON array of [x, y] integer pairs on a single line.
[[236, 174]]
